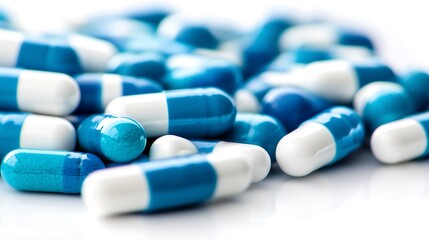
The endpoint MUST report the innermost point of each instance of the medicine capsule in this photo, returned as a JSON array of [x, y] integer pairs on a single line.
[[292, 106], [166, 184], [402, 140], [22, 130], [70, 54], [169, 146], [147, 65], [118, 139], [336, 80], [322, 34], [382, 102], [322, 140], [191, 71], [48, 171], [415, 83], [98, 89], [257, 129], [38, 92], [201, 112]]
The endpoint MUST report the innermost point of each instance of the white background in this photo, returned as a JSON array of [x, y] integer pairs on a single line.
[[356, 199]]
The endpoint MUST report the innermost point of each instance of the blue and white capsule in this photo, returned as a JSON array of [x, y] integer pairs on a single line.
[[22, 130], [335, 80], [169, 146], [98, 89], [191, 71], [166, 184], [147, 65], [322, 140], [257, 129], [402, 140], [70, 54], [292, 106], [201, 112], [322, 34], [117, 139], [382, 102], [37, 92], [48, 171]]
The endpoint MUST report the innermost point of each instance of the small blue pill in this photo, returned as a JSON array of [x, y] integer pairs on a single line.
[[117, 139], [48, 171]]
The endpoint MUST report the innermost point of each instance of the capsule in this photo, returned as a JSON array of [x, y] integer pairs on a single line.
[[322, 34], [415, 83], [146, 65], [402, 140], [202, 112], [292, 106], [169, 146], [336, 80], [21, 130], [98, 89], [191, 71], [48, 171], [38, 92], [382, 102], [118, 139], [166, 184], [70, 54], [257, 129], [322, 140]]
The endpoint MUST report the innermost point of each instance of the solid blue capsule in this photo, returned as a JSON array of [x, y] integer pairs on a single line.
[[147, 65], [416, 84], [292, 106], [191, 71], [261, 130], [320, 141], [382, 102], [70, 54], [48, 171], [98, 89], [118, 139], [167, 184], [200, 112]]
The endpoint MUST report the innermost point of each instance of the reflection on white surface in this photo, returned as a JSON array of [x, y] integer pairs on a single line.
[[341, 195]]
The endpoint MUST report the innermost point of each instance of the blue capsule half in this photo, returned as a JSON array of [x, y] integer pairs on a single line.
[[48, 171], [147, 65]]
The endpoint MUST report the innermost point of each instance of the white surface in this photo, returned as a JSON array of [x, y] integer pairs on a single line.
[[111, 87], [47, 133], [308, 148], [150, 110], [399, 141], [47, 93], [10, 45]]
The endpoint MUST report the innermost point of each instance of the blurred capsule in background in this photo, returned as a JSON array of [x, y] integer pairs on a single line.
[[70, 54], [170, 146], [199, 112], [257, 129], [22, 130], [48, 171], [147, 65], [165, 46], [416, 84], [99, 89], [149, 15], [382, 102], [402, 140], [38, 92], [117, 31], [320, 141], [117, 139], [167, 184], [323, 34], [191, 71], [292, 106]]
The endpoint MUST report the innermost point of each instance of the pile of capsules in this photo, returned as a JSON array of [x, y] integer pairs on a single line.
[[217, 106]]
